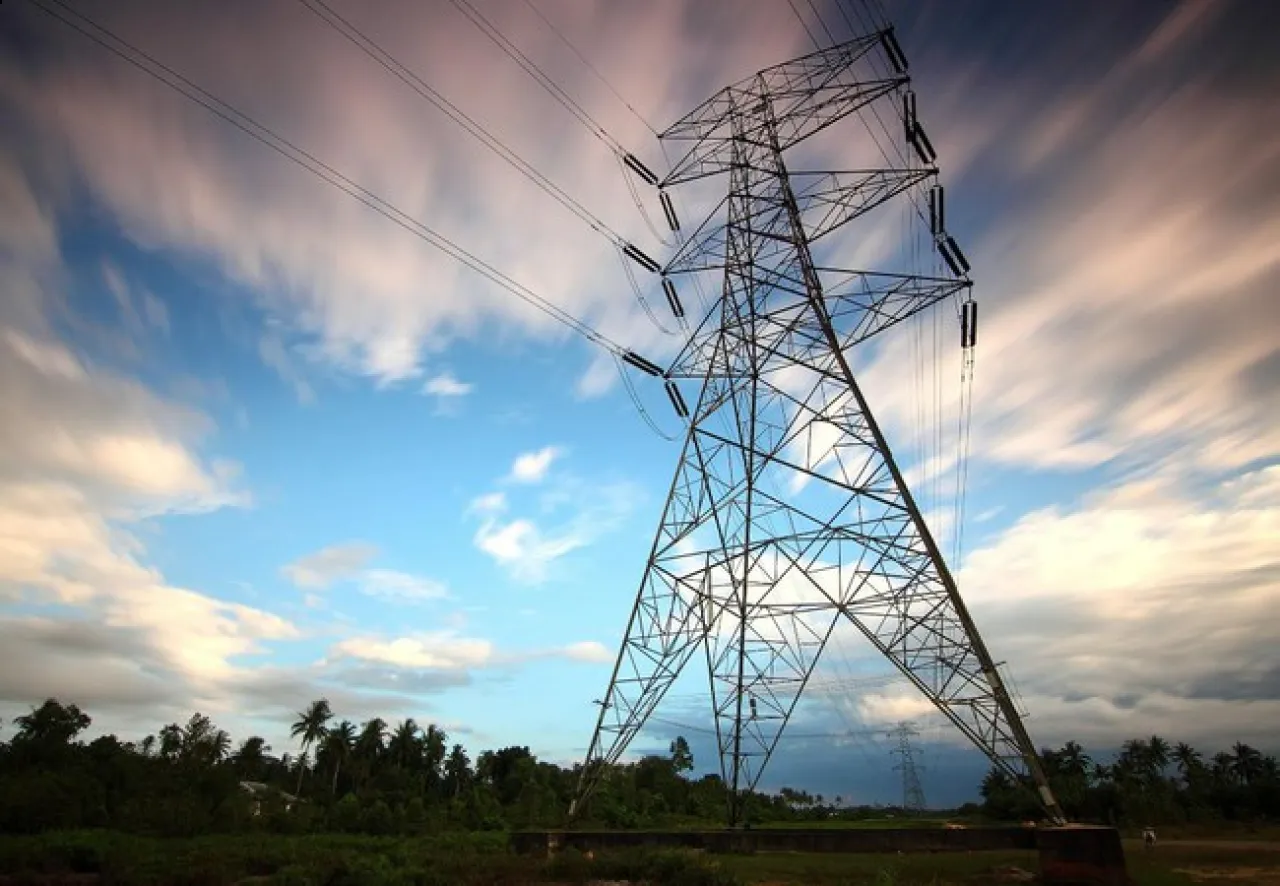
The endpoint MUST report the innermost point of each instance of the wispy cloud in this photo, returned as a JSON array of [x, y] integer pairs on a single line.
[[349, 562], [532, 467], [322, 568], [447, 650], [573, 514], [401, 586], [447, 386]]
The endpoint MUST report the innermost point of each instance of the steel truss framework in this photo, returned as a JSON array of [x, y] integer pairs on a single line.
[[788, 514]]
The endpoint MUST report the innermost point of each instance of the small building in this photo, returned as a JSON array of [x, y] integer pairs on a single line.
[[260, 791]]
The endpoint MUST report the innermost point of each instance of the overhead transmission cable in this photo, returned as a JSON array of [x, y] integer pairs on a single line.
[[246, 124], [644, 212], [876, 20], [513, 52], [624, 157], [415, 82], [901, 151], [371, 48], [592, 68]]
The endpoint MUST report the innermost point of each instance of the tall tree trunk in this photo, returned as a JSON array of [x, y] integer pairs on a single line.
[[337, 766], [302, 768]]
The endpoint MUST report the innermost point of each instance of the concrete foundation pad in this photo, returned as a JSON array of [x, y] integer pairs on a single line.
[[1083, 855]]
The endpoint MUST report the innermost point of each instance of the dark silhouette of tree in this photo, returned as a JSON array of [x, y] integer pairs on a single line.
[[1158, 753], [311, 726], [681, 756], [457, 771], [336, 748], [1246, 763], [405, 748], [181, 780], [51, 725]]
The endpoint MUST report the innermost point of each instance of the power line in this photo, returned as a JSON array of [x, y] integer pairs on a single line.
[[592, 68], [246, 124], [415, 82], [513, 52], [804, 24], [371, 48]]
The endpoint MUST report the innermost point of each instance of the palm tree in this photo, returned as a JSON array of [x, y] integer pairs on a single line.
[[1075, 762], [147, 746], [170, 741], [457, 771], [338, 743], [403, 749], [218, 744], [1135, 757], [433, 750], [370, 745], [1186, 757], [1246, 763], [250, 757], [1188, 760], [311, 725], [1223, 767], [1158, 753]]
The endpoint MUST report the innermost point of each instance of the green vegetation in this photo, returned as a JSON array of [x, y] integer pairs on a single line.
[[380, 804], [482, 858], [371, 779], [1151, 782], [334, 860]]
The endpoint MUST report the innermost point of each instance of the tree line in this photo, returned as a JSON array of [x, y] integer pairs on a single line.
[[372, 777], [404, 778], [1151, 781]]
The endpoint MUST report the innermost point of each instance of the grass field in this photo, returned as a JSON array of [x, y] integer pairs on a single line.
[[90, 858]]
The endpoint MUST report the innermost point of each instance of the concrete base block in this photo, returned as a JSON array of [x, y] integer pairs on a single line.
[[1081, 856]]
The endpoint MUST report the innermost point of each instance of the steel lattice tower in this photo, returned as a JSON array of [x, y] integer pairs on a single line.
[[788, 514], [912, 792]]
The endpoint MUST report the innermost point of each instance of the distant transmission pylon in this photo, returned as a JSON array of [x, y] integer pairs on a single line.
[[788, 514], [912, 792]]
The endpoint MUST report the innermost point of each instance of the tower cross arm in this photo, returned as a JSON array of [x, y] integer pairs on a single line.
[[808, 94]]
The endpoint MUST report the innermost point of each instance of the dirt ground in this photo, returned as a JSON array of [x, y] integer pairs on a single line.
[[1208, 862]]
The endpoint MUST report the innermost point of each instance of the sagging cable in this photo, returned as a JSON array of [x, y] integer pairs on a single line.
[[641, 363], [672, 298], [923, 146], [894, 50], [968, 324], [669, 210], [677, 399], [640, 169], [641, 259]]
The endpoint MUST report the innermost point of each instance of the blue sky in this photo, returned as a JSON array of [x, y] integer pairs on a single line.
[[261, 445]]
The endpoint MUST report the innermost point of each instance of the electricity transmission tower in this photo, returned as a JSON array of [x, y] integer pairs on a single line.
[[912, 792], [788, 515]]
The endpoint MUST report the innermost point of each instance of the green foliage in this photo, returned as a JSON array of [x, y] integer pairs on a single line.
[[128, 860], [404, 779], [1150, 782], [346, 815], [676, 867]]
